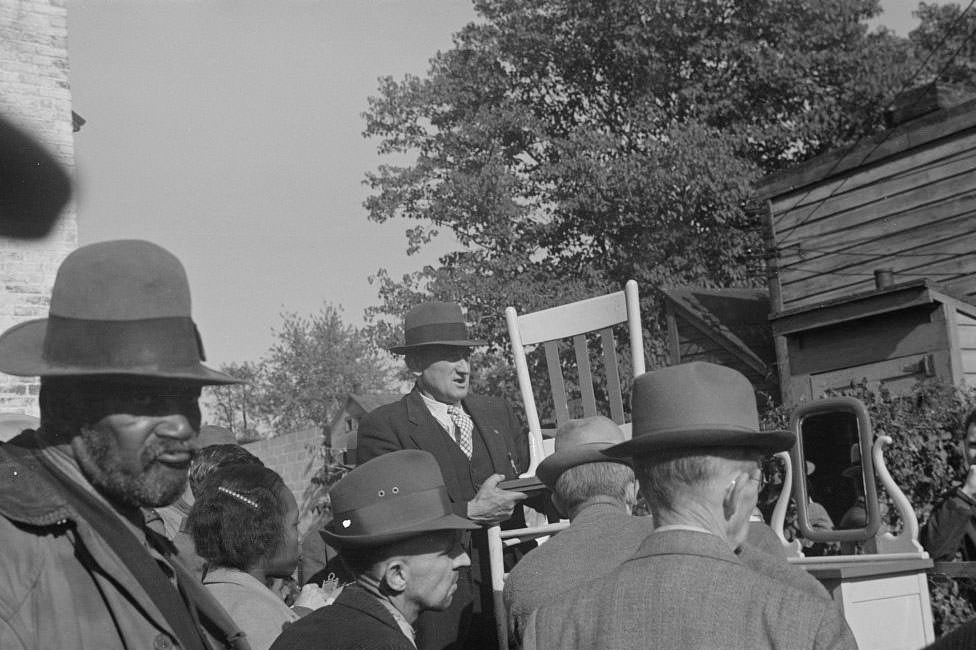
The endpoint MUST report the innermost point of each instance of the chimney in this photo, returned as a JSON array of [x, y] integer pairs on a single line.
[[923, 100]]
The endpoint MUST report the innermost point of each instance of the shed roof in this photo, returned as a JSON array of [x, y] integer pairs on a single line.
[[868, 151]]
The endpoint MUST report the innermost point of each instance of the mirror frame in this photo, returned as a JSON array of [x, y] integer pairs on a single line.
[[835, 405]]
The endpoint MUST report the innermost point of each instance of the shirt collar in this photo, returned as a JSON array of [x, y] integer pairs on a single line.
[[439, 411]]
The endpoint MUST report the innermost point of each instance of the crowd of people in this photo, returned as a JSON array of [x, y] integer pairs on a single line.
[[125, 524]]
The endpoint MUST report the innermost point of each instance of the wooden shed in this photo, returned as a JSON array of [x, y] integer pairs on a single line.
[[725, 326], [872, 254]]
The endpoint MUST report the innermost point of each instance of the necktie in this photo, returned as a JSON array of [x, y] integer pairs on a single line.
[[463, 428]]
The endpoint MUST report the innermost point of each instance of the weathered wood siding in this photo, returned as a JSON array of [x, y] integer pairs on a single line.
[[914, 213], [694, 345], [967, 347], [892, 351]]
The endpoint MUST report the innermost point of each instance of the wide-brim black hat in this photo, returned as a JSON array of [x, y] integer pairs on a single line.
[[696, 405], [390, 498], [117, 308], [435, 323]]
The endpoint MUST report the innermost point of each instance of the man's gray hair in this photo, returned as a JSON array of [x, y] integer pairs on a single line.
[[669, 476], [578, 484]]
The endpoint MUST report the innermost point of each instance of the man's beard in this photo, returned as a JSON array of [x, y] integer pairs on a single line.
[[156, 485]]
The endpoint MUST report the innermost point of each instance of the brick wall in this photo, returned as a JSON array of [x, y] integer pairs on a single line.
[[293, 455], [35, 94]]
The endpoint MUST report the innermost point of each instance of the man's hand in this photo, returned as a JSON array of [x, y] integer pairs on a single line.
[[493, 505], [969, 487]]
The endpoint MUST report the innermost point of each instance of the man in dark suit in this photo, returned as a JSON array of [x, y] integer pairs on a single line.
[[394, 524], [696, 451], [477, 442]]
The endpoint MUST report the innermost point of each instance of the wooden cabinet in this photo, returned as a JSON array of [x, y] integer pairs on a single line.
[[885, 601]]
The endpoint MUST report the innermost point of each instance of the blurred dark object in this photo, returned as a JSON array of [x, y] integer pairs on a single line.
[[34, 186]]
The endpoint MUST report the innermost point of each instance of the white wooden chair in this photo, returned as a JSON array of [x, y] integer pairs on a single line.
[[548, 328], [574, 321]]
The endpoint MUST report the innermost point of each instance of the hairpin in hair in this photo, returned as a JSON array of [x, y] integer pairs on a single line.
[[240, 497]]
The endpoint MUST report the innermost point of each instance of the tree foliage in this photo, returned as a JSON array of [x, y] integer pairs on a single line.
[[315, 362], [571, 145]]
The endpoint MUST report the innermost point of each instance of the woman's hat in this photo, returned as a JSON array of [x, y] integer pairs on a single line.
[[435, 323], [579, 442], [391, 497], [696, 405], [117, 308]]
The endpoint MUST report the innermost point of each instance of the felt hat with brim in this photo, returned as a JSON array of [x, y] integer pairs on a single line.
[[435, 323], [390, 498], [117, 308], [696, 405], [579, 442]]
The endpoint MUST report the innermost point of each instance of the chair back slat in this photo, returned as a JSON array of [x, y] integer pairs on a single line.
[[585, 375], [556, 382], [566, 321], [615, 394]]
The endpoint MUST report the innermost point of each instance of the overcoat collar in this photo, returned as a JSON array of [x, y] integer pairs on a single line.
[[355, 597], [685, 542]]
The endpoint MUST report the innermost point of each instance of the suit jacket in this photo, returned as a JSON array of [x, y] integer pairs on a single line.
[[599, 539], [408, 424], [355, 620], [687, 590]]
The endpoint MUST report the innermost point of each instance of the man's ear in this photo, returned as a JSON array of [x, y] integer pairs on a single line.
[[630, 494], [413, 362], [396, 574], [732, 500]]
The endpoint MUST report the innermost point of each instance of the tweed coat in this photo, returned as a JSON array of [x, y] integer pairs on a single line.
[[355, 620], [500, 447], [686, 590], [600, 538]]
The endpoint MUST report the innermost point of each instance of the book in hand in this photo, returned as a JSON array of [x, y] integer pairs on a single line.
[[528, 484]]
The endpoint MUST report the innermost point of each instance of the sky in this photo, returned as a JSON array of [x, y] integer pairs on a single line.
[[230, 132]]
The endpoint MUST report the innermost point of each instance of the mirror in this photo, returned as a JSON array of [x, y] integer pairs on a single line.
[[833, 477]]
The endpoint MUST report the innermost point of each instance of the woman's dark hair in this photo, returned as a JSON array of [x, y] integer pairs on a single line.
[[238, 517], [212, 458]]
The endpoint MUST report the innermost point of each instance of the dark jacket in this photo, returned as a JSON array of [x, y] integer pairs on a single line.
[[950, 529], [61, 584], [500, 445], [356, 620]]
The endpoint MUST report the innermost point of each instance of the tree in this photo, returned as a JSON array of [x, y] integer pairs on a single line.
[[944, 41], [234, 406], [570, 145], [303, 380]]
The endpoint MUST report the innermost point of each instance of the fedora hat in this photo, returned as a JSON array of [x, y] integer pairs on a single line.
[[389, 498], [435, 323], [696, 405], [579, 442], [117, 308]]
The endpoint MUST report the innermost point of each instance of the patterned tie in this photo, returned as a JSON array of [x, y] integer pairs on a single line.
[[464, 429]]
